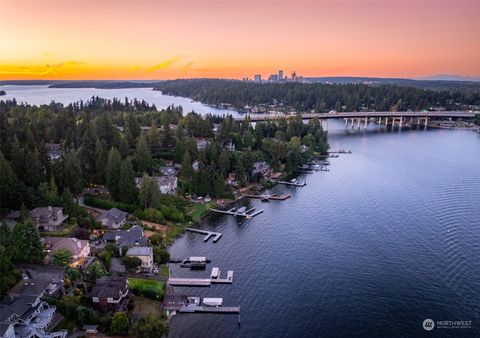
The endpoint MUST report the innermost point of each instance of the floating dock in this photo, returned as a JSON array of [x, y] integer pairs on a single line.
[[233, 212], [270, 197], [210, 309], [296, 184], [208, 234]]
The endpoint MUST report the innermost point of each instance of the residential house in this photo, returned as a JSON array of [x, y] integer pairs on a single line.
[[35, 274], [54, 151], [260, 170], [27, 316], [109, 294], [202, 144], [230, 146], [197, 166], [146, 256], [45, 218], [166, 184], [80, 249], [231, 180], [132, 237], [168, 171], [113, 218]]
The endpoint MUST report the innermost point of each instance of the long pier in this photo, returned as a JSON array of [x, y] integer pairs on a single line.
[[208, 234], [270, 197], [232, 212], [210, 309]]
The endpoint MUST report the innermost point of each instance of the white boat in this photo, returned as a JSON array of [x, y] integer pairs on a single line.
[[195, 259], [241, 210], [293, 180], [212, 301], [215, 273]]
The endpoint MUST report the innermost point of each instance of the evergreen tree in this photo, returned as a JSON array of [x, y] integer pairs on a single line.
[[8, 182], [126, 183], [25, 243], [112, 172], [143, 158], [186, 170], [8, 274]]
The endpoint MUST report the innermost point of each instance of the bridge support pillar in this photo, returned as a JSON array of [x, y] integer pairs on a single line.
[[346, 122], [366, 121], [400, 124], [426, 122], [386, 121], [358, 123], [353, 123], [380, 120]]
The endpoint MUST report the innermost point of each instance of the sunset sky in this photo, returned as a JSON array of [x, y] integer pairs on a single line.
[[121, 39]]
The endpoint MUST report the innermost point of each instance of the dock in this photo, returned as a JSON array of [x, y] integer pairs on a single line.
[[210, 309], [202, 281], [296, 184], [208, 234], [270, 197], [233, 212], [189, 282]]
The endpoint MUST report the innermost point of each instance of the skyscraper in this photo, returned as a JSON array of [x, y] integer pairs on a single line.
[[280, 75], [257, 78]]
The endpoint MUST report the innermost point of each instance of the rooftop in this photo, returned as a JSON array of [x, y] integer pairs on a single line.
[[139, 251]]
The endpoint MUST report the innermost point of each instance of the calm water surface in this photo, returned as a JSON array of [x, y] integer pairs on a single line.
[[37, 95], [389, 237]]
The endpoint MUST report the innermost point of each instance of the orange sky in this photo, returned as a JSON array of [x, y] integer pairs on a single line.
[[136, 39]]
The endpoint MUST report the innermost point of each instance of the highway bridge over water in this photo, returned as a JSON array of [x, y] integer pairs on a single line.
[[418, 117]]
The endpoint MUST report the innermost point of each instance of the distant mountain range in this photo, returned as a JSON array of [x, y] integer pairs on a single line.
[[447, 77]]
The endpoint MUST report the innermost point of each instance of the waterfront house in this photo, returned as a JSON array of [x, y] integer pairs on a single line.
[[45, 218], [113, 218], [110, 293], [134, 236], [80, 249], [27, 316], [260, 170], [146, 256]]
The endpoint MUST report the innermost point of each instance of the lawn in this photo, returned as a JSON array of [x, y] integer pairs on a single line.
[[199, 210], [146, 287], [144, 307]]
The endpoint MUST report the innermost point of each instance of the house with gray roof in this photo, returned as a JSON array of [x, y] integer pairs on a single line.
[[166, 184], [113, 218], [27, 316], [109, 293], [134, 236], [146, 256], [45, 218]]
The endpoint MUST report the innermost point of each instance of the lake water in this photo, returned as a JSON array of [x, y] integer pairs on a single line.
[[37, 95], [389, 237]]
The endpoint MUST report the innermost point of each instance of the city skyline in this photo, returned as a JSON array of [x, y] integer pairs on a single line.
[[147, 40]]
